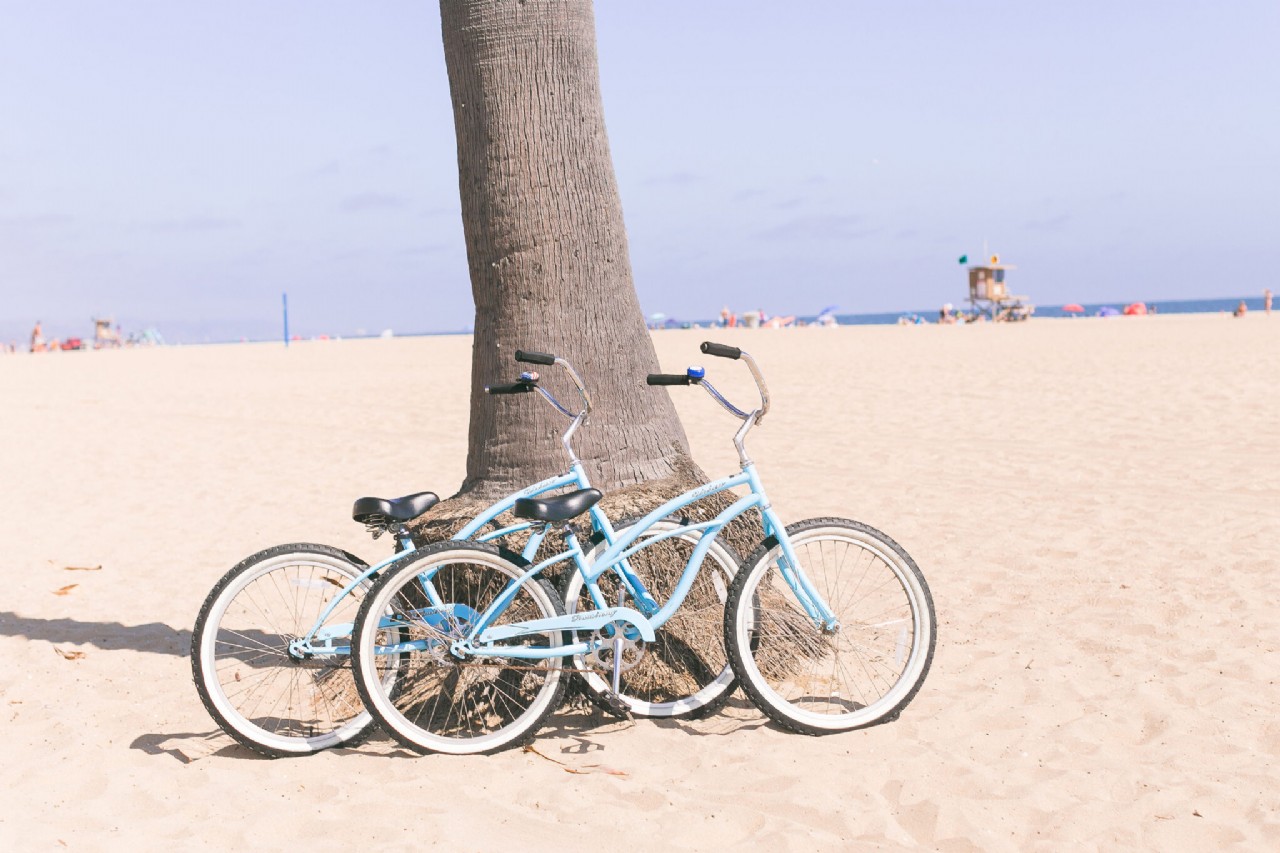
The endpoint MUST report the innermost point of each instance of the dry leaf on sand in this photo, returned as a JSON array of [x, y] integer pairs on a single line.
[[581, 770], [68, 654], [82, 568], [66, 589]]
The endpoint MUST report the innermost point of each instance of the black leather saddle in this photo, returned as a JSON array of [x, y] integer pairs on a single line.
[[558, 508], [384, 511]]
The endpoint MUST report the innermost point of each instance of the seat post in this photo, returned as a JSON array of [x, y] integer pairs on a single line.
[[404, 540]]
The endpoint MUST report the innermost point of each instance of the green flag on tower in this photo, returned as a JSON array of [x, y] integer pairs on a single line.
[[964, 259]]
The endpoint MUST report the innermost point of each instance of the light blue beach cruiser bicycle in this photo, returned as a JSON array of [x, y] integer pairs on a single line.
[[829, 624], [270, 651]]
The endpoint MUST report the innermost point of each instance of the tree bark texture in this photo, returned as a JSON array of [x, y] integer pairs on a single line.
[[547, 250]]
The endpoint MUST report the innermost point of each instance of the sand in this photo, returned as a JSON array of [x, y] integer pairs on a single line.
[[1094, 504]]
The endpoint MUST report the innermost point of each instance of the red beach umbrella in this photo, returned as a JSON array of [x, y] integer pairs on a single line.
[[1073, 308], [1135, 309]]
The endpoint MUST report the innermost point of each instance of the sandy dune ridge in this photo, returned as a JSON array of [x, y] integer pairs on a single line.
[[1093, 502]]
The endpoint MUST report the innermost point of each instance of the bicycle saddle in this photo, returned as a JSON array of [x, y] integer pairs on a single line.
[[385, 511], [558, 508]]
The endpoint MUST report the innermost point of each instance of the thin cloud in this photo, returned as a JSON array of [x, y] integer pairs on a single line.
[[1052, 223], [364, 202], [675, 179], [820, 227], [39, 220], [194, 224], [433, 249]]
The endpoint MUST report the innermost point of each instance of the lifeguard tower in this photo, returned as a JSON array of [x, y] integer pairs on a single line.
[[103, 335], [989, 295]]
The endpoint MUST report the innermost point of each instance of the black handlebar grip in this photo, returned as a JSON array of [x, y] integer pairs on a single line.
[[514, 388], [668, 379], [722, 350], [530, 357]]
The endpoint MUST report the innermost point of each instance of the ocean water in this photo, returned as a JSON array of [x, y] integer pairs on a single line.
[[1172, 306]]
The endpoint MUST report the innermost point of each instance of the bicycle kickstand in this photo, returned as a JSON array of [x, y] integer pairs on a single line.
[[614, 699]]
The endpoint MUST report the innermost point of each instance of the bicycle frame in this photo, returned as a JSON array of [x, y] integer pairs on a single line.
[[648, 618], [319, 640]]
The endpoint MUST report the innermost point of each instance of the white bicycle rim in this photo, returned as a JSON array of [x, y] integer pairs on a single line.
[[208, 662], [389, 716]]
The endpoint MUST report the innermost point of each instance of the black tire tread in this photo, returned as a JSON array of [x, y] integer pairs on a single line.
[[197, 639]]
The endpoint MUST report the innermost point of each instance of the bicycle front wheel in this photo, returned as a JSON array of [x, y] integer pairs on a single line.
[[864, 671], [252, 680], [441, 701]]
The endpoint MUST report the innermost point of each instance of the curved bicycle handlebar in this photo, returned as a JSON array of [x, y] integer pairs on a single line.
[[726, 351], [697, 376], [529, 382]]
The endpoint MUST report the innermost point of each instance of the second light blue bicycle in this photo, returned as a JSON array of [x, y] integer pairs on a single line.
[[830, 624]]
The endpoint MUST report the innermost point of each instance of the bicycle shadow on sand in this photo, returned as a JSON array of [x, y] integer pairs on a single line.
[[154, 637], [582, 724]]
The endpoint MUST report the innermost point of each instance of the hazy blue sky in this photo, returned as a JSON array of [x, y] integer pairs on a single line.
[[181, 164]]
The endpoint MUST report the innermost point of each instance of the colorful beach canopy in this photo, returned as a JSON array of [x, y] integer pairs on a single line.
[[1073, 308]]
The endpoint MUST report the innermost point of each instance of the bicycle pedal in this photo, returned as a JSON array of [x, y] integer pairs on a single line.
[[615, 705]]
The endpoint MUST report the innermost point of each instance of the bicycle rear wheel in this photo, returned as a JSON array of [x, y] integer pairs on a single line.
[[439, 701], [815, 681], [685, 671], [274, 702]]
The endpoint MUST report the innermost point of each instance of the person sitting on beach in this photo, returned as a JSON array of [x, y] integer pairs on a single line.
[[1241, 310], [946, 316]]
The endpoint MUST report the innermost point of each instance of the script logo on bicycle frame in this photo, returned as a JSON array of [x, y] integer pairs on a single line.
[[602, 614], [704, 491]]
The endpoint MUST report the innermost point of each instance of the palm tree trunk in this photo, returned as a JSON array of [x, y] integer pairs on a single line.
[[547, 250]]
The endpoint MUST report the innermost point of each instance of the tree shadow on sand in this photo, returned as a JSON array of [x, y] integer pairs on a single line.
[[154, 637]]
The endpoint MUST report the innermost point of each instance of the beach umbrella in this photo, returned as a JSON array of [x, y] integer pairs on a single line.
[[1107, 311], [1135, 309], [1073, 308]]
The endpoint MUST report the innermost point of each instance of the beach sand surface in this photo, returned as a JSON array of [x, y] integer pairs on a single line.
[[1093, 502]]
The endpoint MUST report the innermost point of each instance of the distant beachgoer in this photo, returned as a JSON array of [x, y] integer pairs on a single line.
[[725, 314], [1266, 301], [37, 338], [947, 314], [1241, 309]]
